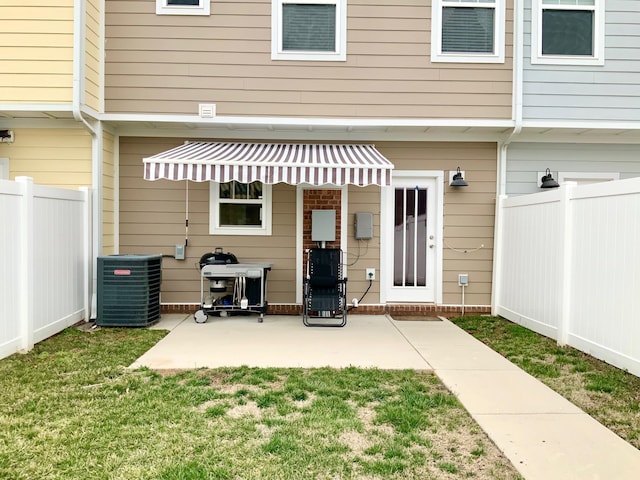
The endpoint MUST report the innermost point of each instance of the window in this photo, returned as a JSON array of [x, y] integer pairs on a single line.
[[240, 208], [309, 30], [468, 31], [183, 7], [567, 32]]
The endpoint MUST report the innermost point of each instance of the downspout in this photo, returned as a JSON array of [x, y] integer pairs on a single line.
[[79, 16], [503, 147]]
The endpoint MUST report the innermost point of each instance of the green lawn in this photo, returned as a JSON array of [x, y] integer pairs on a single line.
[[70, 409]]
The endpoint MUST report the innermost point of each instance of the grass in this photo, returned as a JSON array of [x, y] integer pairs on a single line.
[[610, 395], [70, 409]]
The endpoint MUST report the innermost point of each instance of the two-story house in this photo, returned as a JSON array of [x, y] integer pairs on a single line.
[[359, 107]]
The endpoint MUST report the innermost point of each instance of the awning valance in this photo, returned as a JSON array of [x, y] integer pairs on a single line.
[[315, 164]]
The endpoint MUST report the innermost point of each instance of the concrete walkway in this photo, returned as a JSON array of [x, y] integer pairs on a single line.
[[543, 435]]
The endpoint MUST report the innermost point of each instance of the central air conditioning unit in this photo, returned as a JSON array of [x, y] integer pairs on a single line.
[[129, 290]]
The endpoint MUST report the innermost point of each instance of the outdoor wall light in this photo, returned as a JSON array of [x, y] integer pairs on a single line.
[[548, 181], [457, 180]]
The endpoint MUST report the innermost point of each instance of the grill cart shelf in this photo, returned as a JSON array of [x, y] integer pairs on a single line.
[[228, 288]]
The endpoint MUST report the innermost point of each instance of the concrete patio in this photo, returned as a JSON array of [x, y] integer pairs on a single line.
[[543, 435]]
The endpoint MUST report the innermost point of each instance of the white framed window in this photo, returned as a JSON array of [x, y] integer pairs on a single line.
[[470, 31], [183, 7], [567, 32], [239, 208], [314, 30]]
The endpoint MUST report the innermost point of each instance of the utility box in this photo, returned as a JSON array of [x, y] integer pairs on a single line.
[[364, 226], [323, 225], [129, 290]]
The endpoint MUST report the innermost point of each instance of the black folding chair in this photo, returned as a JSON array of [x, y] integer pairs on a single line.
[[325, 289]]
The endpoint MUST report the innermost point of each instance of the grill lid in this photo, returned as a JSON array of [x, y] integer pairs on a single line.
[[217, 257]]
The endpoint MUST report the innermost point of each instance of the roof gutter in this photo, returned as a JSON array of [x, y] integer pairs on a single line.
[[503, 147], [79, 25]]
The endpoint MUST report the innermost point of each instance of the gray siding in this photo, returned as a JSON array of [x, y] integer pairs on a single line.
[[525, 160], [603, 93]]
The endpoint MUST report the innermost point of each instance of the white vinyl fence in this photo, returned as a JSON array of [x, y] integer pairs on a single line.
[[44, 262], [568, 267]]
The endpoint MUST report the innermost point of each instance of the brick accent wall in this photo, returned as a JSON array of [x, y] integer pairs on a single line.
[[320, 200]]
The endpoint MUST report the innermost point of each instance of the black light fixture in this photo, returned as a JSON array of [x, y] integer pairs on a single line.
[[548, 181], [457, 180]]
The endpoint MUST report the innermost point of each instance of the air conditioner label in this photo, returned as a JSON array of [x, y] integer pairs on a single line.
[[122, 272]]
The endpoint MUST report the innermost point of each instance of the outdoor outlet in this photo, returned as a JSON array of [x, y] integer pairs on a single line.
[[371, 273], [463, 279], [354, 302]]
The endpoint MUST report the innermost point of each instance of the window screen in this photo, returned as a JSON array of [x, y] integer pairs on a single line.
[[309, 27], [567, 32], [467, 29]]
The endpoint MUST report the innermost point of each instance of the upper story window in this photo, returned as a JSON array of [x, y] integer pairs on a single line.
[[183, 7], [240, 208], [468, 31], [309, 30], [567, 32]]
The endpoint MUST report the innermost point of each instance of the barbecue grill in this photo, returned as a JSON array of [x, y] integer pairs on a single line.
[[230, 287]]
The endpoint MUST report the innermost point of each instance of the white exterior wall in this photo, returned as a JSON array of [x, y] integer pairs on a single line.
[[599, 93]]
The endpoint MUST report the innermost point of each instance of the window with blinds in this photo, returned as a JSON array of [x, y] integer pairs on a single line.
[[468, 31], [308, 30], [568, 32], [307, 27]]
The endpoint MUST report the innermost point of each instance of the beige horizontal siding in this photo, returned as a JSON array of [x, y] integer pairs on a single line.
[[169, 64], [36, 52], [468, 211], [363, 254], [152, 220], [108, 194], [56, 157], [152, 216]]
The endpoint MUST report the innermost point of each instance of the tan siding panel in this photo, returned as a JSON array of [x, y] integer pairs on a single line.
[[152, 219], [468, 212], [169, 64]]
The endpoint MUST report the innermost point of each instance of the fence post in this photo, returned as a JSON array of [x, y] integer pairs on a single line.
[[88, 251], [496, 282], [26, 263], [566, 194]]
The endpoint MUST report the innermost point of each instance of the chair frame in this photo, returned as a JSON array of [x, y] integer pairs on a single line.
[[332, 289]]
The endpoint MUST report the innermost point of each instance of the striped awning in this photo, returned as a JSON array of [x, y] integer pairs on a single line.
[[314, 164]]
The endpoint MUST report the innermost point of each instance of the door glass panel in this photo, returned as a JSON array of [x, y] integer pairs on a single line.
[[410, 237]]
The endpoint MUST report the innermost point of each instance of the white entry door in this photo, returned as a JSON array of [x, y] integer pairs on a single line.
[[412, 243]]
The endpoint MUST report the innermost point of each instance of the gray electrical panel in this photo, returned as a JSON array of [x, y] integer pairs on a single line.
[[323, 225], [364, 226]]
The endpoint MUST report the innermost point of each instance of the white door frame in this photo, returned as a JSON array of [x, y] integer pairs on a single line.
[[386, 232], [344, 200]]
